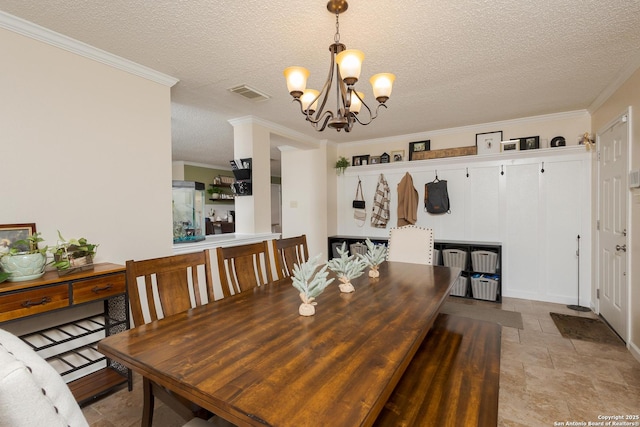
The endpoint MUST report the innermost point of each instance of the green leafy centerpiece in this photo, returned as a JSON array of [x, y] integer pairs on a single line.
[[347, 268], [24, 259], [310, 284], [73, 255], [376, 254]]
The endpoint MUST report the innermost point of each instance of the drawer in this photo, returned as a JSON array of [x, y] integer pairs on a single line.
[[29, 302], [98, 288]]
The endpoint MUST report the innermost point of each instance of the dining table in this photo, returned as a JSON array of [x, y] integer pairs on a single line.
[[253, 360]]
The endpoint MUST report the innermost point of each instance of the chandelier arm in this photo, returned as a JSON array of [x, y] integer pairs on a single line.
[[371, 116], [328, 115]]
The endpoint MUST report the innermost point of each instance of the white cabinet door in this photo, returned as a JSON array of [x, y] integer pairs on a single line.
[[521, 250], [482, 204]]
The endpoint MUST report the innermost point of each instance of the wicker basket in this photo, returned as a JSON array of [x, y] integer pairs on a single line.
[[454, 258], [484, 261], [459, 288], [484, 287]]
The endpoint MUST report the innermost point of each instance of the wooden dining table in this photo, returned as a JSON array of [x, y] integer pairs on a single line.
[[254, 361]]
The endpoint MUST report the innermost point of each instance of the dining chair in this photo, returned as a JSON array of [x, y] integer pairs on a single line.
[[288, 252], [411, 244], [243, 267], [158, 288]]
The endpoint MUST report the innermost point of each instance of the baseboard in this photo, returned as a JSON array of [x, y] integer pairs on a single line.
[[635, 351]]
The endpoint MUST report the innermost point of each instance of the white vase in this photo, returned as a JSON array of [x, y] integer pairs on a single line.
[[346, 287], [307, 309], [24, 266]]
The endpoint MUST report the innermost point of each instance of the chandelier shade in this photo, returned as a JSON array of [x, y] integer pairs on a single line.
[[345, 68]]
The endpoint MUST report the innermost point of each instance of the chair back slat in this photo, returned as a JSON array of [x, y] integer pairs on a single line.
[[171, 285], [288, 252], [244, 267]]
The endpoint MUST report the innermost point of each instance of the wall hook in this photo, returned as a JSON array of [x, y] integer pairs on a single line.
[[501, 170], [467, 172], [542, 170]]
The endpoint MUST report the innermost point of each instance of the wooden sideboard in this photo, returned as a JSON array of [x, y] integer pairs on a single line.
[[71, 347]]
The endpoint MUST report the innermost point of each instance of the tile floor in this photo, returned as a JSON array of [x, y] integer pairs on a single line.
[[545, 379]]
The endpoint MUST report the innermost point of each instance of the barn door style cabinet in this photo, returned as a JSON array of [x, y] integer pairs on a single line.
[[71, 347]]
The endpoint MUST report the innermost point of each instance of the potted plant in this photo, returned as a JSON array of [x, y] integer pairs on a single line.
[[70, 256], [347, 268], [310, 284], [24, 259], [214, 192], [375, 255], [341, 165]]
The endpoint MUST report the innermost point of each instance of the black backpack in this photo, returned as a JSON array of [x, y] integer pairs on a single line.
[[436, 197]]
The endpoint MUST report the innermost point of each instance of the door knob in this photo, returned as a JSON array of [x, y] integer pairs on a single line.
[[622, 248]]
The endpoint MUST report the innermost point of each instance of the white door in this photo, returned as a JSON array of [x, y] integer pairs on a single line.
[[613, 145]]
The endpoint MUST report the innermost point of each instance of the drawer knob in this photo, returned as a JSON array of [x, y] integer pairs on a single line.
[[28, 303], [98, 289]]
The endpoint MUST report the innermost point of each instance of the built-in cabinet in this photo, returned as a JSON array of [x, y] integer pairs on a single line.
[[535, 203], [480, 263]]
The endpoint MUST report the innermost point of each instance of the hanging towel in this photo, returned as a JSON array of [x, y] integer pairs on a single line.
[[407, 201], [380, 211]]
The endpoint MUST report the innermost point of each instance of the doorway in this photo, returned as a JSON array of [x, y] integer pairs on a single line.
[[613, 192]]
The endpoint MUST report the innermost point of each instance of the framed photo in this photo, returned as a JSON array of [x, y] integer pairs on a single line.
[[397, 155], [510, 145], [530, 143], [11, 233], [488, 142], [374, 160], [361, 160], [416, 147]]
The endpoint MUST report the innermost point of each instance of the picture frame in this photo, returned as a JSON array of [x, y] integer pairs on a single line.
[[397, 156], [489, 142], [374, 160], [360, 160], [510, 145], [530, 143], [11, 233], [418, 146]]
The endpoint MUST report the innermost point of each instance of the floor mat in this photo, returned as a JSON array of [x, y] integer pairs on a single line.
[[586, 329], [512, 319]]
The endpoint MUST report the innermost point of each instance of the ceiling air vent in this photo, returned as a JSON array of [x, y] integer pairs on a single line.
[[249, 93]]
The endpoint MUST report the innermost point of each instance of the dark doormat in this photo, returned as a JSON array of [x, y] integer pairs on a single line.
[[586, 329]]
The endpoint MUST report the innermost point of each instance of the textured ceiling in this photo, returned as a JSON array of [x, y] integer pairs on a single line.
[[457, 63]]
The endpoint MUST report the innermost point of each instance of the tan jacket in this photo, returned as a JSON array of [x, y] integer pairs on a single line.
[[407, 201]]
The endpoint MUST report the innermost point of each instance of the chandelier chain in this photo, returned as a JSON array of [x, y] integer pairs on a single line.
[[336, 38]]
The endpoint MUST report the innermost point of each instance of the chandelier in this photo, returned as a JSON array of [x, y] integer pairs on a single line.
[[346, 65]]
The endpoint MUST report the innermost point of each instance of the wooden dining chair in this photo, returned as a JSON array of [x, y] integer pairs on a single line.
[[411, 244], [158, 288], [288, 252], [244, 267]]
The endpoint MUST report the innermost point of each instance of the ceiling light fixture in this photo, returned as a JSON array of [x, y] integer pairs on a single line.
[[345, 65]]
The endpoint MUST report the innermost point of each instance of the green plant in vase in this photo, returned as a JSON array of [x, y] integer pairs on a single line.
[[24, 259], [73, 254], [347, 268], [376, 254], [310, 284], [341, 165]]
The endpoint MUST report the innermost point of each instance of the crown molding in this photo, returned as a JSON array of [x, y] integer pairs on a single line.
[[36, 32]]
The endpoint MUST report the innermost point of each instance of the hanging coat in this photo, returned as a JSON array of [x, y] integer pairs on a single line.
[[380, 211], [408, 200]]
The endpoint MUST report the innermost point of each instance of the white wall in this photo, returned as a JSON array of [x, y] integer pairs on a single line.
[[85, 149], [304, 197]]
